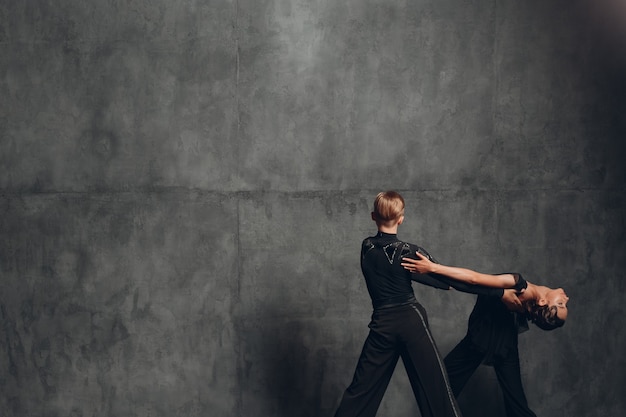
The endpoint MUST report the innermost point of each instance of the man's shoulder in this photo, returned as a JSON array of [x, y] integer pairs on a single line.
[[368, 241]]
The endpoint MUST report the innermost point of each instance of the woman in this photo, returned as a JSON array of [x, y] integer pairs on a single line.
[[544, 306], [493, 329]]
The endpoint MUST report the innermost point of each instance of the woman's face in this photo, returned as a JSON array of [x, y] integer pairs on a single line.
[[558, 298]]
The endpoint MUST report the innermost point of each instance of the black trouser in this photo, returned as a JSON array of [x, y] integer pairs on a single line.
[[463, 360], [394, 332]]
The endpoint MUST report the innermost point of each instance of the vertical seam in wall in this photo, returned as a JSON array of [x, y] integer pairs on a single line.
[[237, 132], [238, 406], [494, 109], [496, 73], [237, 99], [237, 67]]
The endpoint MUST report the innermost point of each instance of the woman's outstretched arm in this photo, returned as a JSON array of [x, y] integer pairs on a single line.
[[423, 265]]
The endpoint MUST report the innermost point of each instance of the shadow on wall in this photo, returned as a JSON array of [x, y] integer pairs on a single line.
[[285, 365], [289, 367]]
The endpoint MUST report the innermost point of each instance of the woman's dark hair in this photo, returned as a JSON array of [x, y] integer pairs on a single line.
[[544, 317]]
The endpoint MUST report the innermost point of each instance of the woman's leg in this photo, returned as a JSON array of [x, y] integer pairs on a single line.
[[461, 363], [510, 379]]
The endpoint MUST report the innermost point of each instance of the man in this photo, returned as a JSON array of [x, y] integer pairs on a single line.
[[399, 324]]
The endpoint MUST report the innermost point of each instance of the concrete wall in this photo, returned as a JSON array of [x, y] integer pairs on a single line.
[[184, 186]]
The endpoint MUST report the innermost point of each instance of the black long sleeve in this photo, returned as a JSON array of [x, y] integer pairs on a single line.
[[445, 282], [520, 284], [386, 279], [468, 288]]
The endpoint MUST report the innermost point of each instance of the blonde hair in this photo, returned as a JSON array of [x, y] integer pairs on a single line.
[[388, 207]]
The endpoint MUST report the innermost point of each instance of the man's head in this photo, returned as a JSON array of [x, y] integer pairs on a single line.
[[549, 311], [388, 209]]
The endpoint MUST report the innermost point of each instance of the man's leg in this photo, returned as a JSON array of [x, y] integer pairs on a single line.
[[372, 375], [425, 368]]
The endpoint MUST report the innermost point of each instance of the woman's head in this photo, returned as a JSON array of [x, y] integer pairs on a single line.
[[388, 208], [549, 311]]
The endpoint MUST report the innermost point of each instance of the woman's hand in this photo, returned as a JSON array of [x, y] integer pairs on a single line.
[[421, 265]]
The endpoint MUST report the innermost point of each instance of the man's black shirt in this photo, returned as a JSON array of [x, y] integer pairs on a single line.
[[388, 283]]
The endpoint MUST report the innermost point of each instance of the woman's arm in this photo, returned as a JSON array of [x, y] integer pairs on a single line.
[[423, 265]]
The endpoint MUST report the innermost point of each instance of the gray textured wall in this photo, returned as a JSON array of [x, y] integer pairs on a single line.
[[184, 187]]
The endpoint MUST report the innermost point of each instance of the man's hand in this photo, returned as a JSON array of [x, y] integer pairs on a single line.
[[510, 300], [421, 265]]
